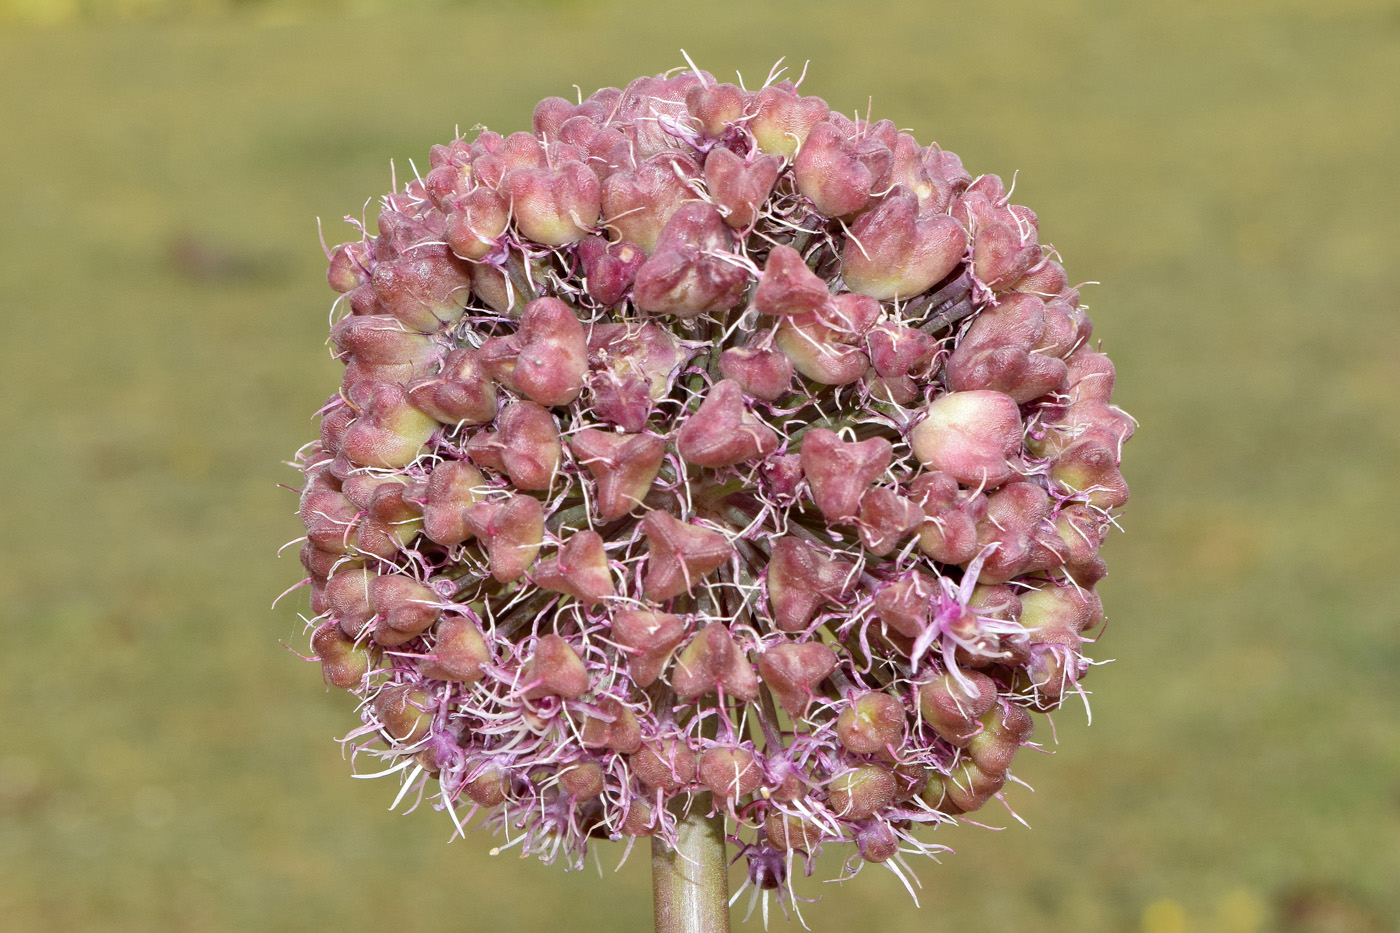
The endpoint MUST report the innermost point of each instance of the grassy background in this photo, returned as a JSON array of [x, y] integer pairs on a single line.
[[1226, 170]]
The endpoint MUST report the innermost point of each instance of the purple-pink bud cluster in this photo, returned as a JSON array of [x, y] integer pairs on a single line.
[[707, 440]]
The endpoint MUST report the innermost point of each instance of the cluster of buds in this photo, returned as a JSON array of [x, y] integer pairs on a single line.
[[706, 448]]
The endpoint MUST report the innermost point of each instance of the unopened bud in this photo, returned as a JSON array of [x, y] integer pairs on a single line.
[[871, 724], [555, 669], [840, 472], [723, 432], [801, 580], [860, 792], [794, 671], [893, 253], [580, 570], [649, 638], [681, 555], [973, 436]]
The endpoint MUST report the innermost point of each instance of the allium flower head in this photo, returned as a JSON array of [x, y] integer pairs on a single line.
[[704, 447]]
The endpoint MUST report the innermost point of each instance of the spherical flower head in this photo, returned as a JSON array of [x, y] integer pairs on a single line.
[[706, 448]]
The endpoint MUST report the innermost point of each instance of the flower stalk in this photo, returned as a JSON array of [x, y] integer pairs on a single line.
[[690, 879]]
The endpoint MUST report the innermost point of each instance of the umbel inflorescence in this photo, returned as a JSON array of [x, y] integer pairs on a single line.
[[704, 447]]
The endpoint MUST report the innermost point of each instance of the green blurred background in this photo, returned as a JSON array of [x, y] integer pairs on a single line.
[[1225, 169]]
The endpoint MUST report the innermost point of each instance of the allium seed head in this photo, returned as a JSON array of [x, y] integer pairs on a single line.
[[705, 448]]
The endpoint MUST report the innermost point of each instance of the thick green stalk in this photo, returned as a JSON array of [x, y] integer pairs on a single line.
[[690, 883]]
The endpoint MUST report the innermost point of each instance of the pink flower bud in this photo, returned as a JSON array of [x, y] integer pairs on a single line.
[[349, 267], [887, 518], [476, 222], [580, 570], [638, 204], [1016, 523], [609, 269], [321, 564], [518, 150], [1090, 468], [449, 171], [491, 286], [329, 518], [607, 149], [391, 522], [794, 671], [1002, 253], [1062, 329], [952, 706], [1004, 728], [423, 294], [461, 393], [348, 594], [645, 351], [402, 711], [762, 373], [1072, 608], [624, 467], [712, 662], [839, 472], [973, 436], [403, 604], [1081, 529], [716, 107], [722, 432], [1046, 279], [739, 187], [383, 340], [787, 832], [999, 352], [968, 787], [554, 206], [512, 531], [830, 174], [649, 638], [858, 793], [614, 726], [788, 286], [906, 605], [581, 780], [877, 842], [935, 176], [899, 350], [550, 115], [689, 272], [782, 119], [680, 555], [893, 253], [546, 358], [667, 765], [1090, 376], [459, 652], [555, 669], [730, 772], [872, 724], [490, 787], [344, 662], [800, 580], [820, 352], [389, 433], [529, 443]]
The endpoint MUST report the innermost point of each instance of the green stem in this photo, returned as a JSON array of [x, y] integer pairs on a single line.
[[690, 883]]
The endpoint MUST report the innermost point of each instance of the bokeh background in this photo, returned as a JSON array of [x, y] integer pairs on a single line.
[[1227, 171]]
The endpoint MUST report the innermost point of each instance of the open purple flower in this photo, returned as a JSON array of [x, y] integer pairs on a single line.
[[707, 454]]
